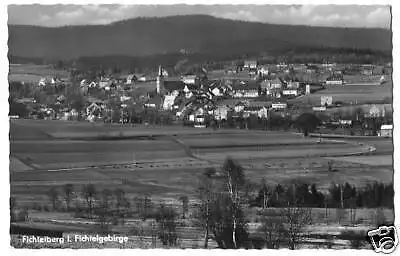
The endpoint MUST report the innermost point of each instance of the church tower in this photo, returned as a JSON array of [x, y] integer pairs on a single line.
[[160, 80]]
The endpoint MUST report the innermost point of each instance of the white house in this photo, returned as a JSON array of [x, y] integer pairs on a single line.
[[290, 92], [221, 113], [187, 91], [250, 64], [386, 130], [189, 79], [169, 101], [104, 83], [279, 105]]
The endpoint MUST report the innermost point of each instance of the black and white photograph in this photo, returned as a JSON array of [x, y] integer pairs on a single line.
[[206, 126]]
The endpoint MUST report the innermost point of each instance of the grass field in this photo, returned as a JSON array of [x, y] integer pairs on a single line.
[[360, 93], [167, 167], [33, 73]]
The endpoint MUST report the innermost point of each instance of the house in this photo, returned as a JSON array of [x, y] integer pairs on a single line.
[[250, 64], [131, 79], [169, 101], [326, 100], [239, 107], [245, 89], [386, 130], [279, 105], [105, 82], [335, 79], [263, 71], [293, 85], [290, 92], [154, 102], [189, 79], [188, 90], [376, 111], [93, 110], [221, 112]]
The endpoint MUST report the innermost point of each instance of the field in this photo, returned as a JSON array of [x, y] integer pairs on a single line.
[[33, 73], [350, 93], [166, 163], [170, 159]]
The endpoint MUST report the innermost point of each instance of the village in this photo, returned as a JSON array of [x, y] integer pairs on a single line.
[[249, 96]]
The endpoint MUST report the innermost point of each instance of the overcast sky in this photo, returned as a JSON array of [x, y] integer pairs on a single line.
[[328, 15]]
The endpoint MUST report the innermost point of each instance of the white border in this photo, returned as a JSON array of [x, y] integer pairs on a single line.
[[4, 239]]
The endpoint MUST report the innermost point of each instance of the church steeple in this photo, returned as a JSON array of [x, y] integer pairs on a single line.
[[160, 80]]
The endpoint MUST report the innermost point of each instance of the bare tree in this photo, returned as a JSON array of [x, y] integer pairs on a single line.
[[205, 190], [273, 230], [53, 194], [295, 219], [266, 193], [89, 193], [185, 205], [106, 196], [166, 218], [234, 179], [68, 190], [120, 196]]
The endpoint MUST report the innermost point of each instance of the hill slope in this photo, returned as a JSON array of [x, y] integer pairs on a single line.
[[197, 33]]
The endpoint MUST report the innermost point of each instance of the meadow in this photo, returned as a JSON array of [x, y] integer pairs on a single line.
[[169, 164], [350, 93], [30, 73]]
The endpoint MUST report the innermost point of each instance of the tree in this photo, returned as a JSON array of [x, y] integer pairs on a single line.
[[53, 194], [185, 206], [106, 195], [307, 123], [166, 218], [68, 190], [89, 193], [227, 222], [273, 230], [295, 219], [119, 194], [234, 181], [206, 193]]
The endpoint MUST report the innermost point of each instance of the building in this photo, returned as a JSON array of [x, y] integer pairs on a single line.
[[335, 79], [326, 100], [278, 105], [386, 130], [250, 64], [290, 92], [245, 89], [221, 112]]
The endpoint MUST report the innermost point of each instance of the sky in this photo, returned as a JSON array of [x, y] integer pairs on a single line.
[[376, 16]]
